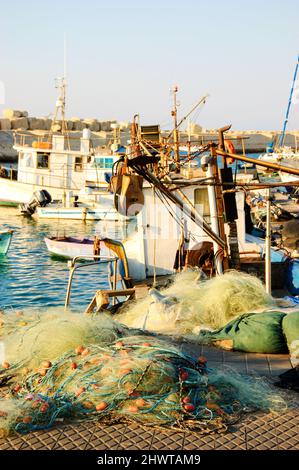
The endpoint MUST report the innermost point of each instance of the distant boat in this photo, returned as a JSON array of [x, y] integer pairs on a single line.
[[5, 239]]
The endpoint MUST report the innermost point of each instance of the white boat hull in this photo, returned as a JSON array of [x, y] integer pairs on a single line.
[[70, 250], [12, 191]]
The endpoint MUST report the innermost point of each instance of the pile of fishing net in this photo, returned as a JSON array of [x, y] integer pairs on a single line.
[[135, 378], [190, 303]]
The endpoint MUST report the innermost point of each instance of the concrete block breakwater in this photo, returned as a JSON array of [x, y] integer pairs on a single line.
[[17, 120], [20, 120]]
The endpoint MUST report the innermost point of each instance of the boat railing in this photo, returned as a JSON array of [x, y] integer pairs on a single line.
[[112, 260], [45, 141]]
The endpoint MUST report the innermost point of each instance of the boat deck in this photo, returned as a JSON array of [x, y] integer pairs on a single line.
[[259, 431]]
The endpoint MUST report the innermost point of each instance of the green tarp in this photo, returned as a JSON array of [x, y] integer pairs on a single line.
[[290, 326], [251, 332]]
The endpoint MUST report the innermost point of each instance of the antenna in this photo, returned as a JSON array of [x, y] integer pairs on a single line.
[[61, 84], [174, 114], [64, 56]]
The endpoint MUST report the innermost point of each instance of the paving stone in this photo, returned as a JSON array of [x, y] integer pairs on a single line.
[[195, 441], [41, 440], [138, 438], [171, 440], [107, 437], [261, 434], [231, 441]]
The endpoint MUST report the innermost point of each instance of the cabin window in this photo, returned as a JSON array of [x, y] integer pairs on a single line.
[[104, 162], [42, 160], [78, 163], [201, 201]]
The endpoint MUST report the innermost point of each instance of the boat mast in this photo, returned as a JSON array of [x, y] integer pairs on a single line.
[[61, 83], [60, 105], [281, 142], [174, 114]]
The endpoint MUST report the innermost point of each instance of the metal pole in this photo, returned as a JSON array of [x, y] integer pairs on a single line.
[[114, 279], [68, 292], [189, 209], [176, 132], [271, 166], [268, 245], [214, 218], [243, 151]]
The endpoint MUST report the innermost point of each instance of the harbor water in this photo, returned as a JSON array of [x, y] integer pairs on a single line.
[[31, 278]]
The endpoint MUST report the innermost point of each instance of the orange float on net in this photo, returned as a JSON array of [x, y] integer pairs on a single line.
[[133, 409], [46, 364], [140, 402], [79, 350], [44, 408], [101, 406], [27, 419], [189, 407], [186, 400], [80, 391], [85, 352]]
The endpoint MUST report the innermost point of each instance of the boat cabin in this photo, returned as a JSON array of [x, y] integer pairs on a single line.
[[61, 162]]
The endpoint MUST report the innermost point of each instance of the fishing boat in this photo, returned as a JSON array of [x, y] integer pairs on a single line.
[[196, 222], [5, 240], [59, 163], [96, 250]]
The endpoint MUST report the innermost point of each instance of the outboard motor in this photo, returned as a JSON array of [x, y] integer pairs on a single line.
[[39, 199]]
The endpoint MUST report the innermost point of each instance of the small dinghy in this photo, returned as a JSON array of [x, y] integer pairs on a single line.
[[5, 239], [71, 247]]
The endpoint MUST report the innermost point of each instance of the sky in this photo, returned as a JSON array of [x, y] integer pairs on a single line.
[[123, 58]]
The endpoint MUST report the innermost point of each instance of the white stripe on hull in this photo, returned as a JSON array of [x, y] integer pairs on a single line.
[[79, 214]]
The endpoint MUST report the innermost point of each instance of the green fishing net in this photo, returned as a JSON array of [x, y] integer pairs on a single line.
[[29, 337], [135, 378]]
